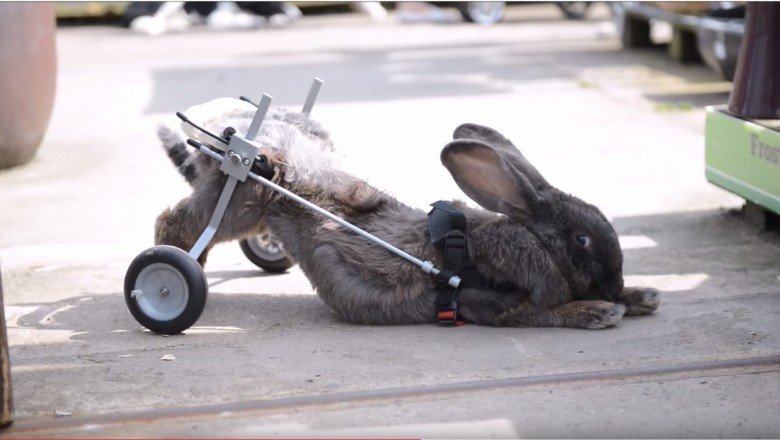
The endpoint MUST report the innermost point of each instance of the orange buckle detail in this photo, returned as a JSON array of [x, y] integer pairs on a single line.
[[447, 315]]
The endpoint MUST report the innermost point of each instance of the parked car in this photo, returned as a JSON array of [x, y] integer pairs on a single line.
[[710, 30], [493, 12], [482, 12]]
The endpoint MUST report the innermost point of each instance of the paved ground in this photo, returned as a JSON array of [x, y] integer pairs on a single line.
[[623, 130]]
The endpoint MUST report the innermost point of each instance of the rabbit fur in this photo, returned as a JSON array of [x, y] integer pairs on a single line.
[[560, 255]]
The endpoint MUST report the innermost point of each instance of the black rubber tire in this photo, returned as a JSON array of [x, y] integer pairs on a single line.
[[485, 13], [277, 263], [186, 273]]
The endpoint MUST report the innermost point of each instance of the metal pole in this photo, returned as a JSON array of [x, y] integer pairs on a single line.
[[313, 92], [257, 120], [6, 398], [426, 266], [216, 218], [254, 127]]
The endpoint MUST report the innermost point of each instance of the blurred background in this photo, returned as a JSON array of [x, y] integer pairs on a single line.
[[705, 31], [572, 82], [553, 62]]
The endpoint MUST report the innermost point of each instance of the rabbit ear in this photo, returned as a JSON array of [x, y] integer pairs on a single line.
[[503, 145], [482, 133], [488, 179]]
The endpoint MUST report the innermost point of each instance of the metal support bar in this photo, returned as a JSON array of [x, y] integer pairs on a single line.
[[209, 152], [233, 178], [313, 92], [426, 266], [236, 172], [262, 109], [216, 218]]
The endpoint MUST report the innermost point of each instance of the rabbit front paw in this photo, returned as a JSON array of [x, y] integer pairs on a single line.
[[640, 300]]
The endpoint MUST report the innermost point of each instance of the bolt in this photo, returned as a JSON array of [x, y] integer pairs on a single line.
[[164, 291], [245, 162]]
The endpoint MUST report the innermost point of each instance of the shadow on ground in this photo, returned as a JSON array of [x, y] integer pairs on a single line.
[[691, 257], [248, 347]]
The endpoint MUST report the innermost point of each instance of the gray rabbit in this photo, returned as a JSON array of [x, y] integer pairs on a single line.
[[556, 258]]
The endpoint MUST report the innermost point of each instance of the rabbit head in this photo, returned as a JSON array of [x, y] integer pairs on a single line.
[[572, 233]]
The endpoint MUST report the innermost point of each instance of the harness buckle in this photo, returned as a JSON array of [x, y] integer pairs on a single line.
[[449, 317]]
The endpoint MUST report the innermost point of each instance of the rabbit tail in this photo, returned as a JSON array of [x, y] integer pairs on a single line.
[[178, 153]]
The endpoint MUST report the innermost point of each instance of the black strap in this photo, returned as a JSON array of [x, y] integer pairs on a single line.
[[447, 227], [443, 219]]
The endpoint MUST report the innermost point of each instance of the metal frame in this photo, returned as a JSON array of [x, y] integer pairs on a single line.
[[241, 151], [237, 162]]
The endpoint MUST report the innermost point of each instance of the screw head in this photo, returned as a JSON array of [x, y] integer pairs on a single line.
[[164, 291], [245, 161]]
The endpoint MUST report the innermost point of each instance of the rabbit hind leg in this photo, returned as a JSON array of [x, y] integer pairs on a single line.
[[576, 314], [175, 227]]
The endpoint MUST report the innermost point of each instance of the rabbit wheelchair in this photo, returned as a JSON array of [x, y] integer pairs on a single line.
[[165, 287]]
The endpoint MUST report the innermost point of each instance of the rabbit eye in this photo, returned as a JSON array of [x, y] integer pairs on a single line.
[[582, 240]]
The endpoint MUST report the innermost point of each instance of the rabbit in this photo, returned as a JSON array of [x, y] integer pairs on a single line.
[[559, 256]]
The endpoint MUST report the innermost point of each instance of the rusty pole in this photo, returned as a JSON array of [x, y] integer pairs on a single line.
[[6, 400]]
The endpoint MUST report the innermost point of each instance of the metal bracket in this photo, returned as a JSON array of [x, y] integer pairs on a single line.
[[238, 161], [239, 157], [241, 151], [236, 164]]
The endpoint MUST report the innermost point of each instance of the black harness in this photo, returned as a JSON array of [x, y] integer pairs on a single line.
[[447, 227]]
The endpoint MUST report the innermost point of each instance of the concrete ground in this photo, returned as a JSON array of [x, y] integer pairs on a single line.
[[621, 129]]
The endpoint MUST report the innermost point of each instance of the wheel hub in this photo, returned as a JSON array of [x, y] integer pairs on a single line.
[[171, 287]]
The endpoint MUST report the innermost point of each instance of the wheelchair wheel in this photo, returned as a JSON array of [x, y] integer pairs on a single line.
[[266, 252], [165, 290]]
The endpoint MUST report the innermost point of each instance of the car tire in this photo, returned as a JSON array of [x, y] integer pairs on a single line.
[[485, 13]]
